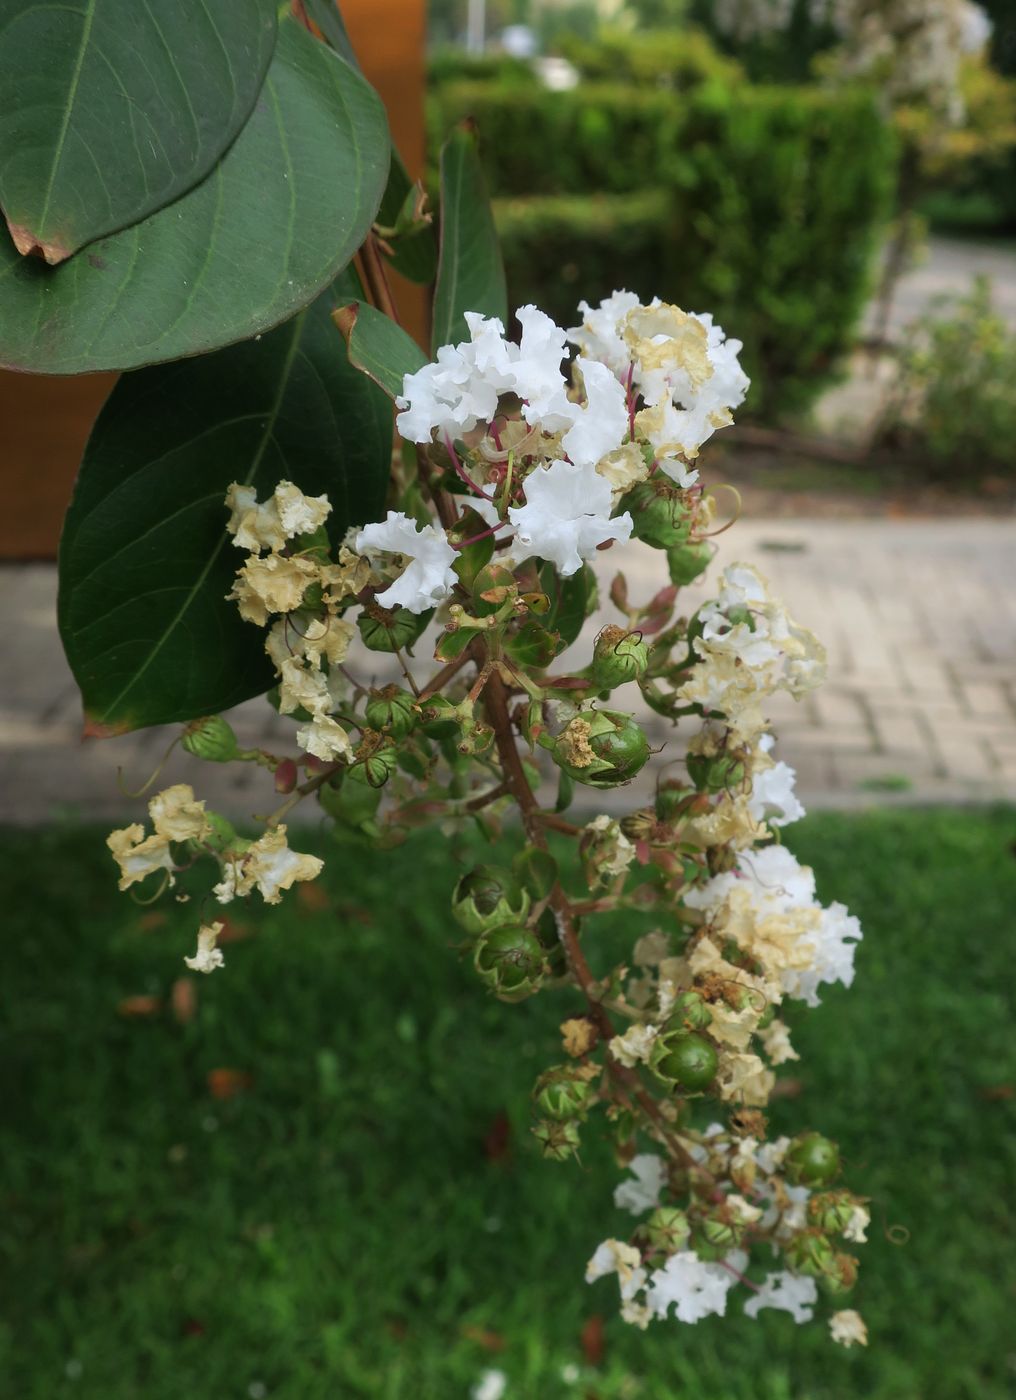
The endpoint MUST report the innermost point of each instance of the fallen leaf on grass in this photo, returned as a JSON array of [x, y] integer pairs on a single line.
[[787, 1089], [227, 1083], [996, 1092], [497, 1139], [484, 1337], [139, 1008], [592, 1340], [184, 1000], [313, 897]]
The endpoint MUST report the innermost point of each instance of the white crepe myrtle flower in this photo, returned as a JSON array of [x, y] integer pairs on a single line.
[[641, 1191], [598, 426], [773, 799], [428, 577], [616, 1257], [678, 471], [491, 1385], [460, 388], [693, 1288], [208, 957], [847, 1327], [599, 337], [566, 516], [860, 1219], [786, 1292]]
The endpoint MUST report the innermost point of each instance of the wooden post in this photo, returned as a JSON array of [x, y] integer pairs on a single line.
[[46, 420]]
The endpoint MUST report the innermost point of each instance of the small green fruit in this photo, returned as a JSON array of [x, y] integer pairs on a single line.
[[510, 961], [684, 1059], [210, 738], [813, 1160], [489, 897]]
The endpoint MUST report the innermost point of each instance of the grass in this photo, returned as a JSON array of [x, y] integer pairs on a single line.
[[348, 1225]]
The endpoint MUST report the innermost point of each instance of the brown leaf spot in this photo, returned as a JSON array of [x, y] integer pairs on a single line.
[[29, 246], [95, 729]]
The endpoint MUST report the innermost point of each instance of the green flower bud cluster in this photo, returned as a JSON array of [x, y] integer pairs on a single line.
[[563, 1092]]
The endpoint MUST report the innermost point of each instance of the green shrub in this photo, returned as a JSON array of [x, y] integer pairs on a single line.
[[763, 204], [953, 412], [678, 59]]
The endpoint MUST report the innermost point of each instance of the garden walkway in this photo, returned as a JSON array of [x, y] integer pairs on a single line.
[[919, 617]]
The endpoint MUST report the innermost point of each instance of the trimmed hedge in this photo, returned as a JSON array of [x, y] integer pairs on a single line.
[[763, 205]]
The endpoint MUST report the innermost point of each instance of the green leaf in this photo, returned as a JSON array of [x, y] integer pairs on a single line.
[[111, 109], [278, 218], [569, 605], [451, 645], [327, 15], [470, 274], [378, 347], [145, 560], [533, 646]]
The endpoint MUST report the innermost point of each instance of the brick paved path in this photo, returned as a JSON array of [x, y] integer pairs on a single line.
[[919, 618]]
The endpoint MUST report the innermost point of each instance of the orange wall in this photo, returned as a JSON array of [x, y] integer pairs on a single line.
[[45, 421]]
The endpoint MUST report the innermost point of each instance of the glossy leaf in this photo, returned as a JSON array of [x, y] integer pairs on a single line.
[[145, 560], [533, 646], [470, 275], [111, 109], [570, 600], [378, 347], [280, 215]]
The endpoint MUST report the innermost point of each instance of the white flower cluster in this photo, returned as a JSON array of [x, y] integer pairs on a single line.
[[766, 905], [748, 648]]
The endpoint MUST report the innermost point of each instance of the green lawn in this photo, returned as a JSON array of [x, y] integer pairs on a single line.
[[339, 1229]]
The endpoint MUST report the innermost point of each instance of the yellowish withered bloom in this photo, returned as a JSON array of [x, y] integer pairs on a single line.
[[208, 957], [176, 816], [267, 864], [275, 584], [268, 525]]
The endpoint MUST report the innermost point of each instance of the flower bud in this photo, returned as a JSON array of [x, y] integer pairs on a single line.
[[668, 1229], [715, 773], [720, 1231], [618, 657], [684, 1059], [660, 512], [487, 898], [210, 738], [810, 1253], [559, 1141], [286, 776], [812, 1160], [670, 798], [691, 1011], [392, 709], [687, 561], [510, 961], [831, 1211], [384, 629], [563, 1092], [601, 748]]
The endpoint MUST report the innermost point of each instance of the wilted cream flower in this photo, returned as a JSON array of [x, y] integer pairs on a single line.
[[634, 1046], [745, 1079], [325, 738], [286, 513], [776, 1043], [176, 816], [208, 957], [847, 1328], [275, 584], [267, 863]]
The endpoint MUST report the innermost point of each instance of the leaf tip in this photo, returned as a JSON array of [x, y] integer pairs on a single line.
[[31, 246], [345, 318], [93, 728]]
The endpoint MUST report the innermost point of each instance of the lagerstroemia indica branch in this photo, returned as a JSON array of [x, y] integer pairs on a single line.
[[534, 472]]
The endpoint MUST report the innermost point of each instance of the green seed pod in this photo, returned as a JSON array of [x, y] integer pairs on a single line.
[[813, 1160], [668, 1229], [810, 1253], [510, 961], [716, 773], [687, 561], [351, 803], [376, 767], [559, 1141], [210, 738], [601, 748], [563, 1092], [691, 1011], [618, 657], [392, 709], [684, 1059], [840, 1277], [390, 630], [489, 897], [719, 1232], [831, 1211], [223, 833], [669, 799], [660, 512]]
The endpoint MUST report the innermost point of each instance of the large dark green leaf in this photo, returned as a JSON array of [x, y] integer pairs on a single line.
[[280, 215], [111, 109], [145, 561], [379, 347], [470, 275], [327, 15]]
